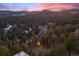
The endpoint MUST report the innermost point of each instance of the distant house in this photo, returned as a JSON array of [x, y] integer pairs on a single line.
[[74, 12], [22, 53]]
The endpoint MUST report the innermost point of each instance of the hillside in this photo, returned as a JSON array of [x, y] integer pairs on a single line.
[[39, 33]]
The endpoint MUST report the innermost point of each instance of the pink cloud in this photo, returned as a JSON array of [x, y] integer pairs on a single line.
[[56, 6], [32, 9], [28, 9], [53, 7]]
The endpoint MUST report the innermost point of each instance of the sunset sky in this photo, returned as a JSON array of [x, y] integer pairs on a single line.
[[38, 6]]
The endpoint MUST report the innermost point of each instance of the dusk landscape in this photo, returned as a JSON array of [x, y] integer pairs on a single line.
[[39, 29]]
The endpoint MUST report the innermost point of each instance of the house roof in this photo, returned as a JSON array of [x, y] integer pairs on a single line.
[[22, 53]]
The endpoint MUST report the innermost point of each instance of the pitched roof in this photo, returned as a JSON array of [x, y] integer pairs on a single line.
[[22, 53]]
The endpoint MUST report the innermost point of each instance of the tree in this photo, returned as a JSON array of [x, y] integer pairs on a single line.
[[4, 51], [58, 30], [44, 40], [58, 50], [2, 34], [70, 43], [61, 38], [69, 27], [2, 42], [53, 40], [15, 48]]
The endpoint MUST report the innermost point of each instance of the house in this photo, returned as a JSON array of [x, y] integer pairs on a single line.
[[7, 28], [77, 32], [43, 30], [26, 31], [22, 53]]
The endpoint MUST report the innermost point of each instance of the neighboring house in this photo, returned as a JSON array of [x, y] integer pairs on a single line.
[[7, 28], [77, 32], [30, 29], [43, 30], [22, 53], [26, 31]]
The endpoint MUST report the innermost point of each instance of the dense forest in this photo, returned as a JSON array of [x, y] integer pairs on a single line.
[[40, 33]]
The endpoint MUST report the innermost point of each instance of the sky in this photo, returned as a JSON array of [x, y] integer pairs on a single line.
[[38, 6]]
